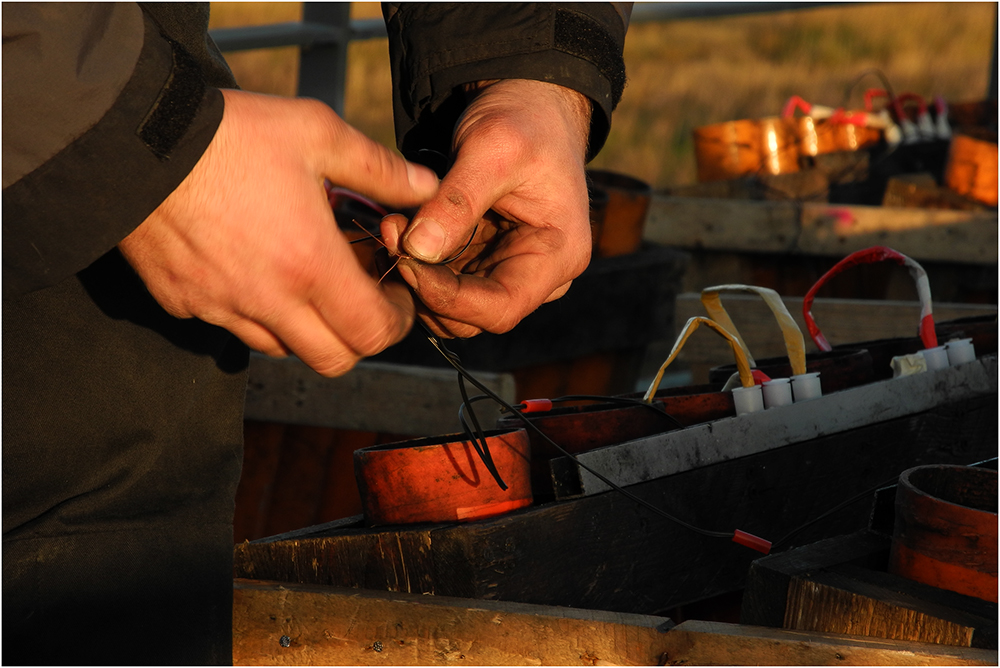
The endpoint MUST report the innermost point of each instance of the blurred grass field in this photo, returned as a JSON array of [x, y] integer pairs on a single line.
[[687, 73]]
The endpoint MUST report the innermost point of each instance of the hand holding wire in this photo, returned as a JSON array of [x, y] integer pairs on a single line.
[[517, 173]]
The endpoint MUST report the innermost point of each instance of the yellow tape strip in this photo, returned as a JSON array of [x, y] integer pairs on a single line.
[[742, 365], [795, 345]]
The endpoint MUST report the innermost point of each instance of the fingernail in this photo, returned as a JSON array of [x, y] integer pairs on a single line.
[[422, 180], [425, 240]]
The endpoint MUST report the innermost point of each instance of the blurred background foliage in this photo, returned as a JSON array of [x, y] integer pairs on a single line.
[[687, 73]]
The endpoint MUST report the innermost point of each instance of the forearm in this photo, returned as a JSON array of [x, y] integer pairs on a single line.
[[437, 49]]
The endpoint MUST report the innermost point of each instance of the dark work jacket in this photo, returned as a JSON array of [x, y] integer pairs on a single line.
[[122, 426], [436, 47]]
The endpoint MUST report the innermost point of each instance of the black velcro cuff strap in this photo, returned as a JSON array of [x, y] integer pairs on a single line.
[[583, 37], [175, 108], [79, 204]]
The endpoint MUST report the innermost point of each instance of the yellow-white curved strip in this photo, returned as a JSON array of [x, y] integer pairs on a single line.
[[742, 365], [795, 345]]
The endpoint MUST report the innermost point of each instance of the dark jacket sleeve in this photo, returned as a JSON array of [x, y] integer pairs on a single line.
[[435, 48], [137, 102]]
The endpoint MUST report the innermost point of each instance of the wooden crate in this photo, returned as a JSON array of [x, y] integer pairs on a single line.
[[787, 246], [840, 585], [774, 472]]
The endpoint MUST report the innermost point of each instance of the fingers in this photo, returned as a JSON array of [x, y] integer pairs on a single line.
[[450, 328], [248, 241], [352, 319], [559, 292], [392, 228], [314, 331], [354, 161], [477, 180], [498, 297]]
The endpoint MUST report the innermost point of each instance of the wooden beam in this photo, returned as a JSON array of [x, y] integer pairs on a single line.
[[923, 234], [842, 321], [374, 396], [848, 599], [821, 229], [723, 224], [840, 585], [672, 452], [286, 624], [702, 643]]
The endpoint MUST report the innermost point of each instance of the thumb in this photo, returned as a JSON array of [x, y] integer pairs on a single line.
[[444, 223]]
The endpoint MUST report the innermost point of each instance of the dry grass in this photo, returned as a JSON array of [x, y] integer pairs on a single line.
[[684, 74]]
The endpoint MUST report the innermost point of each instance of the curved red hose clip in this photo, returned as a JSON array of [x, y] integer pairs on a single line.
[[795, 102], [858, 118], [905, 98], [870, 256], [871, 94]]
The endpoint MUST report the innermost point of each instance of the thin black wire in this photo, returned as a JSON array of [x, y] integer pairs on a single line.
[[467, 402], [879, 74], [454, 361], [854, 499], [478, 437], [480, 443], [627, 401]]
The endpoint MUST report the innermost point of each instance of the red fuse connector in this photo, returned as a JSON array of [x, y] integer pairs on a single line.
[[536, 405], [753, 542]]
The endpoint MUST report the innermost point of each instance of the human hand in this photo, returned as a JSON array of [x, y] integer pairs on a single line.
[[519, 175], [248, 241]]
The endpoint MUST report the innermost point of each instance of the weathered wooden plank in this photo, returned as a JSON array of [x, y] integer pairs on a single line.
[[821, 229], [842, 321], [729, 438], [374, 396], [571, 553], [335, 626], [765, 598], [393, 560], [923, 234], [840, 585], [794, 274], [846, 599], [723, 224], [700, 643], [261, 454]]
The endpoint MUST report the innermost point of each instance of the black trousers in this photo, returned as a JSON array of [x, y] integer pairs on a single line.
[[122, 448]]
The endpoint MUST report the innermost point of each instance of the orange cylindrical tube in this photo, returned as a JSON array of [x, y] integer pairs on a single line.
[[945, 534]]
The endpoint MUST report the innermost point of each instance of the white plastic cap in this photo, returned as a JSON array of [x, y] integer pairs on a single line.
[[936, 358], [911, 135], [777, 392], [806, 386], [942, 128], [926, 127], [960, 351], [748, 399]]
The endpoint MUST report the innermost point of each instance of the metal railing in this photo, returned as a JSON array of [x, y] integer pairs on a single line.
[[326, 30]]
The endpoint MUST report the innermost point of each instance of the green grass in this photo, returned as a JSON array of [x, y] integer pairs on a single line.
[[684, 74]]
